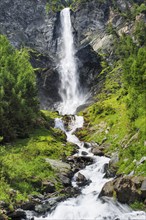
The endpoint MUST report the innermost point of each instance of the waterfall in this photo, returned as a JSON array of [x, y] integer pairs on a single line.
[[70, 90], [87, 205]]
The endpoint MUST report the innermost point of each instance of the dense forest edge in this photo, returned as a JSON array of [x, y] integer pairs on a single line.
[[116, 121]]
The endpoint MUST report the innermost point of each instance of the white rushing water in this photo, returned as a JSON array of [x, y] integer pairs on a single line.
[[88, 206], [70, 91]]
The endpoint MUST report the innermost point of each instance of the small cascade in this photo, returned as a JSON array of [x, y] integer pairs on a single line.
[[88, 205], [70, 90]]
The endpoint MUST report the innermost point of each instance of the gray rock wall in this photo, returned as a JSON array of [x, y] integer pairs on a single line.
[[27, 24]]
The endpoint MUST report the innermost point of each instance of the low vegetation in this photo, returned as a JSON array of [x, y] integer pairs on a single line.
[[118, 117], [23, 162], [27, 135]]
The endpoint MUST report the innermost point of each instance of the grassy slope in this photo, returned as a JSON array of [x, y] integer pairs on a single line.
[[108, 118], [23, 165]]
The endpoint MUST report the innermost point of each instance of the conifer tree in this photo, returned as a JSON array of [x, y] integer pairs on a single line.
[[18, 94]]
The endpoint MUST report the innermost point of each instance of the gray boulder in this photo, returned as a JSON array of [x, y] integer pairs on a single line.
[[111, 168], [98, 151], [126, 189], [81, 180]]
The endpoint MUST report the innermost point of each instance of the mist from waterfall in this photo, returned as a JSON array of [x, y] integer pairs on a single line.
[[70, 90]]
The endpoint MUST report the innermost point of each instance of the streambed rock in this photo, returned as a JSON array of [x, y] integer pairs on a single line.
[[98, 151], [87, 145], [79, 162], [71, 192], [45, 204], [126, 189], [110, 169], [81, 180], [84, 153], [43, 207]]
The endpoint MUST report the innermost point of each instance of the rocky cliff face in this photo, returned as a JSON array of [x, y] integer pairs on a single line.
[[27, 23]]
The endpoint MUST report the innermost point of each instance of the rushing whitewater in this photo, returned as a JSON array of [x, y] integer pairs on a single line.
[[88, 206], [70, 91]]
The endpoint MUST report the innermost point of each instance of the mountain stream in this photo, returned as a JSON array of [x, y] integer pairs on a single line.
[[86, 206]]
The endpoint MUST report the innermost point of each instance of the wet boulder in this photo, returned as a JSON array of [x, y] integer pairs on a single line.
[[107, 190], [43, 207], [70, 192], [81, 180], [126, 189], [80, 161], [87, 145], [108, 172], [84, 153]]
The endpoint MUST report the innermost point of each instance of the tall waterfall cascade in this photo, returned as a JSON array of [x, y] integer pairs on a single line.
[[87, 205], [70, 90]]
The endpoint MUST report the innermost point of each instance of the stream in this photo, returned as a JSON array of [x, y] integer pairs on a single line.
[[87, 205]]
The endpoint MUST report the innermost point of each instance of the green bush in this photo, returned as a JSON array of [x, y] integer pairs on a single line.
[[18, 94]]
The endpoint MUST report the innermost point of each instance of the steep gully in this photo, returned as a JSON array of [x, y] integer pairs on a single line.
[[87, 205]]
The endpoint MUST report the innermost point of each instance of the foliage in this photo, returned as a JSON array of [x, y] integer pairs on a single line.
[[138, 206], [134, 74], [74, 4], [119, 115], [18, 95], [23, 165], [55, 5], [124, 47], [140, 33], [110, 29]]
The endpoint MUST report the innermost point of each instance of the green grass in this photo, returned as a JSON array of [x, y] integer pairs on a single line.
[[109, 118], [138, 206], [23, 166]]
